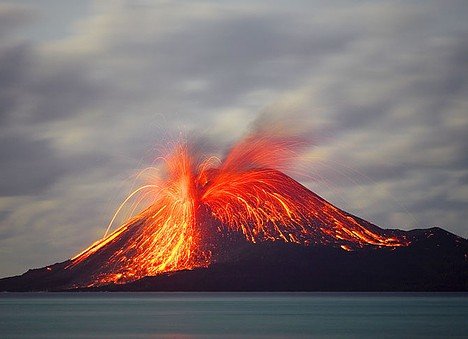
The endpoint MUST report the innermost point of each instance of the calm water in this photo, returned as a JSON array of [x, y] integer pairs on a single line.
[[201, 315]]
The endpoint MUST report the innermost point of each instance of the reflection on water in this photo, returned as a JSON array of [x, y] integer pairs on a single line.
[[237, 315]]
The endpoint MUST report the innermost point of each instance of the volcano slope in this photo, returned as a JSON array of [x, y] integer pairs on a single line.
[[243, 224], [321, 248]]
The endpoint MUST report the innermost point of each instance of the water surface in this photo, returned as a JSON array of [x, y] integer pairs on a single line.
[[236, 315]]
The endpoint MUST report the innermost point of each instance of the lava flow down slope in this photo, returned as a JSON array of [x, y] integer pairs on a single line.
[[212, 221]]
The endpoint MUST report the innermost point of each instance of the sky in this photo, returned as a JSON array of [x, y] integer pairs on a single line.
[[90, 91]]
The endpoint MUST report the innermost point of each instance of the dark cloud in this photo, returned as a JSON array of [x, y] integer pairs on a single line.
[[30, 166], [27, 166], [63, 93], [30, 95], [14, 65]]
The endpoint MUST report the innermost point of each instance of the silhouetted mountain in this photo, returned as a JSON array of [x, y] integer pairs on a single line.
[[330, 250], [436, 260]]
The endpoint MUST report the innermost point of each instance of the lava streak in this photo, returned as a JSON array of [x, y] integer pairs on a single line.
[[162, 237], [246, 193]]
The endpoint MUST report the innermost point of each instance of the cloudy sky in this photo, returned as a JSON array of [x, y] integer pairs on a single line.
[[90, 90]]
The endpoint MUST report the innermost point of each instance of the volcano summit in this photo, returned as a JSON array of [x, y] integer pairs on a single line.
[[242, 224]]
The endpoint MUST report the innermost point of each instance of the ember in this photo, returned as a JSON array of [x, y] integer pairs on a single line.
[[246, 194]]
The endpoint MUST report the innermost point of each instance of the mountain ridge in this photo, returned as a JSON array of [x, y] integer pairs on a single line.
[[305, 244], [436, 261]]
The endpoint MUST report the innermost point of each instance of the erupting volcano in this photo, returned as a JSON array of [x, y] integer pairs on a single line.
[[204, 209], [198, 202]]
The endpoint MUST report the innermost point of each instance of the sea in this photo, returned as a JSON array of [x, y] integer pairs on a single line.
[[233, 315]]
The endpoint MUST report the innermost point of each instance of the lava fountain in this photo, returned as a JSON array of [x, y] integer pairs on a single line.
[[196, 199]]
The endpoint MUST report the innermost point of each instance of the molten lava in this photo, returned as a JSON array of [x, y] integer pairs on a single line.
[[194, 202]]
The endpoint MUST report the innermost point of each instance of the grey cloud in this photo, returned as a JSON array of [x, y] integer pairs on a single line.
[[379, 86], [28, 96], [27, 166], [231, 55], [63, 94], [14, 62], [31, 166], [13, 16]]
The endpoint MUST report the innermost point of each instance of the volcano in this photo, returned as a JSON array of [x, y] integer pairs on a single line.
[[242, 224]]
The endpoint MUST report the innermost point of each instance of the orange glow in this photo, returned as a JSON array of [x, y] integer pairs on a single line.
[[243, 194]]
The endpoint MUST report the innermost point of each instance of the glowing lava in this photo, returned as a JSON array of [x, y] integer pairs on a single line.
[[245, 194]]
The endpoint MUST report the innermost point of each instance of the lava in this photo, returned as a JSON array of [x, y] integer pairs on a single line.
[[246, 193]]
